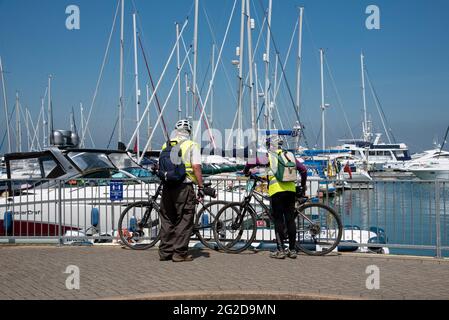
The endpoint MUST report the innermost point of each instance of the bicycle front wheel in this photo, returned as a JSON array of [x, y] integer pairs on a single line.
[[235, 227], [319, 229], [204, 223], [139, 226]]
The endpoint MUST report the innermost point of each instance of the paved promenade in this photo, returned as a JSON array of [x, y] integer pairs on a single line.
[[37, 272]]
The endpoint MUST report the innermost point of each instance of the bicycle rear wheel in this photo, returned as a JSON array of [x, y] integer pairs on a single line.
[[235, 227], [204, 222], [319, 229], [139, 226]]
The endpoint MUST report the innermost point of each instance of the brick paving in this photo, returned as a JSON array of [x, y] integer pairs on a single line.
[[106, 272]]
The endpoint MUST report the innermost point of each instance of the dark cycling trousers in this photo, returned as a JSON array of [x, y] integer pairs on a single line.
[[177, 214], [283, 211]]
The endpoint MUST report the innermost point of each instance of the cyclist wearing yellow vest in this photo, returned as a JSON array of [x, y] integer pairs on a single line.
[[282, 197], [178, 201]]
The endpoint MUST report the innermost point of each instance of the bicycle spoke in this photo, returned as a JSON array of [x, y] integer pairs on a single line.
[[235, 228], [319, 229], [139, 226]]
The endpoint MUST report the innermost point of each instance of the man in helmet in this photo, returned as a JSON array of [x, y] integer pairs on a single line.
[[282, 197], [178, 201]]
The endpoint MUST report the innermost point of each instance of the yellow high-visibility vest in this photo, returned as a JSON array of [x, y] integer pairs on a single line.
[[275, 186], [185, 148]]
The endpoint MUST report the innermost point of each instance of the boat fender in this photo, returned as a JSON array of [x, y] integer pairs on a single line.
[[95, 217], [379, 231], [205, 219], [132, 224], [345, 246], [8, 222], [377, 240]]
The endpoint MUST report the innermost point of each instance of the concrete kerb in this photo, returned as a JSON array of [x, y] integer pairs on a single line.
[[232, 295]]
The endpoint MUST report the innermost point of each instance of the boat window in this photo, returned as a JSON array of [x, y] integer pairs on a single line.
[[35, 168], [139, 172], [122, 160], [90, 160], [25, 168]]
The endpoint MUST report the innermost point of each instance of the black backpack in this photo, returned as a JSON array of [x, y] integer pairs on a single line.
[[171, 168]]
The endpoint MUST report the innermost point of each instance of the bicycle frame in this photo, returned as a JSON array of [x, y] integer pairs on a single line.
[[259, 198]]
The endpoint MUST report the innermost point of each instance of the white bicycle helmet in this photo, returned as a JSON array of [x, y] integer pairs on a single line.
[[184, 125]]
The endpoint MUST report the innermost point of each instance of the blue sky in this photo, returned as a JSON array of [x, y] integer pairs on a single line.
[[408, 61]]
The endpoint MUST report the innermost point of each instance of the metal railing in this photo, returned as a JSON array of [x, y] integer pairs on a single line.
[[402, 216]]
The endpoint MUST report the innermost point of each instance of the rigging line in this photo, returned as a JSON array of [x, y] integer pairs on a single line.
[[37, 126], [315, 47], [10, 119], [101, 72], [199, 102], [178, 74], [153, 88], [141, 42], [340, 104], [218, 59], [162, 76], [214, 40], [36, 130], [383, 118], [33, 128], [113, 133], [284, 75], [255, 50], [287, 58]]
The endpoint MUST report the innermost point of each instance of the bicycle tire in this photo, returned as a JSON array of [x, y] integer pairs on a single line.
[[146, 246], [252, 226], [336, 239], [208, 243]]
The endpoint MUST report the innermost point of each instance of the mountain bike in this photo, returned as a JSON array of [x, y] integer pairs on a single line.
[[318, 227], [139, 224]]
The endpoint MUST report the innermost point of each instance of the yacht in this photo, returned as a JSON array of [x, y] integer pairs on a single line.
[[31, 205], [430, 165], [378, 156]]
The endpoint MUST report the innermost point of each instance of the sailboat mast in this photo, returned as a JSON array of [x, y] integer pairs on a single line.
[[27, 127], [44, 123], [50, 113], [366, 130], [178, 58], [136, 77], [122, 88], [18, 125], [299, 63], [148, 115], [323, 106], [256, 80], [211, 115], [251, 77], [195, 58], [8, 132], [187, 94], [240, 66], [273, 103], [82, 122], [267, 66]]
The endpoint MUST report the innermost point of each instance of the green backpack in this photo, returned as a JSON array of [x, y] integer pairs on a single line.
[[285, 171]]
